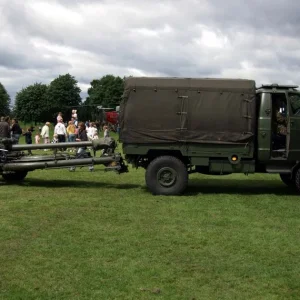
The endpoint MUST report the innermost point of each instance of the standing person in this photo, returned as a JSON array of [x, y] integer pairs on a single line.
[[71, 132], [37, 138], [106, 131], [16, 130], [4, 129], [81, 137], [28, 138], [59, 117], [7, 120], [45, 133], [91, 131], [55, 139], [61, 132]]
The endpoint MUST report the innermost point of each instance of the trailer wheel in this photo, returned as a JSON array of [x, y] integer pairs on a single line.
[[166, 175], [287, 179], [14, 176]]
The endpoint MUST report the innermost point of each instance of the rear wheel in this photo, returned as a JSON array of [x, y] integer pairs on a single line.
[[297, 180], [14, 175], [287, 179], [166, 175]]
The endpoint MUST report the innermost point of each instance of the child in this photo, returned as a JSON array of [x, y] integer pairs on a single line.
[[28, 138], [37, 138], [55, 139], [59, 117], [106, 131]]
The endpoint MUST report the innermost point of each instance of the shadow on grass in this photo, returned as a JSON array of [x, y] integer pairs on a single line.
[[195, 187], [71, 183], [244, 187]]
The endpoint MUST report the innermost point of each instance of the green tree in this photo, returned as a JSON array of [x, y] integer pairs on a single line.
[[106, 91], [30, 103], [63, 93], [4, 101]]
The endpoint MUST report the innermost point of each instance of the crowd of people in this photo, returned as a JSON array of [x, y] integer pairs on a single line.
[[71, 131]]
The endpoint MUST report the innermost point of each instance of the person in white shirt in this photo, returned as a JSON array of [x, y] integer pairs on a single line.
[[60, 130], [92, 131], [106, 131], [45, 133]]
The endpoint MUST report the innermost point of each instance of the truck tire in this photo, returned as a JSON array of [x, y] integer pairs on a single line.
[[286, 179], [166, 175], [297, 180], [14, 176]]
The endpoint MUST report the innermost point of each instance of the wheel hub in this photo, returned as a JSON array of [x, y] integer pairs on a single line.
[[166, 176]]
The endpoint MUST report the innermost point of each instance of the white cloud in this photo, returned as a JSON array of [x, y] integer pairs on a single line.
[[88, 39], [55, 13]]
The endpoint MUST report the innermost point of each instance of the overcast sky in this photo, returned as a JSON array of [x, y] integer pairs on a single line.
[[40, 40]]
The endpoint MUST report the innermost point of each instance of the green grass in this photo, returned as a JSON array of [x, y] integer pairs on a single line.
[[101, 235]]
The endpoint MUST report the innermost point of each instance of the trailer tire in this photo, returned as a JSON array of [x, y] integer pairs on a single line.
[[287, 179], [166, 175], [14, 176]]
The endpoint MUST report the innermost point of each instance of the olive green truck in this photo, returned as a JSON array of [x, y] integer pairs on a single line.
[[173, 127]]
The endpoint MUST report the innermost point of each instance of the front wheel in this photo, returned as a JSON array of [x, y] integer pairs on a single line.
[[14, 176], [166, 175]]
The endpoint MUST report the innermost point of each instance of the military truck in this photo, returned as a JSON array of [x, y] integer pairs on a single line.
[[173, 127]]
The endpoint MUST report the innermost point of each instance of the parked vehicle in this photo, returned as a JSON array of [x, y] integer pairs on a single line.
[[173, 127]]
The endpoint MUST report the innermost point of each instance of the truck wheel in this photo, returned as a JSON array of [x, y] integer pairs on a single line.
[[297, 180], [14, 175], [166, 175], [287, 179]]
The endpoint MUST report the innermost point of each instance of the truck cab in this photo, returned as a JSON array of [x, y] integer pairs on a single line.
[[278, 123]]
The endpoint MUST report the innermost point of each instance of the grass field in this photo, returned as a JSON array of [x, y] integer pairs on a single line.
[[101, 235]]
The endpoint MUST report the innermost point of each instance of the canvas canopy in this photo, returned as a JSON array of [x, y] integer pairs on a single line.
[[168, 110]]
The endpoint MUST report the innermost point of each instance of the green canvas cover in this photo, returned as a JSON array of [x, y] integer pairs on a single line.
[[168, 110]]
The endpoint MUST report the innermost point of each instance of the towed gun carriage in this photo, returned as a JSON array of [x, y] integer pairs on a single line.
[[15, 164]]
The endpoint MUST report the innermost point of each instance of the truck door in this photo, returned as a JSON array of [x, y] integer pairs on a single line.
[[293, 126], [264, 133]]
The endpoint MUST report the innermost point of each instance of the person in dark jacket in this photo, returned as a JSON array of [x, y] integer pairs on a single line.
[[28, 139], [16, 130], [4, 128], [81, 137]]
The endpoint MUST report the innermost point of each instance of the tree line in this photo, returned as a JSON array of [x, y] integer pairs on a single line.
[[40, 102]]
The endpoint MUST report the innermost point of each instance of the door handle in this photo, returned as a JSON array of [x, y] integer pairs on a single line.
[[291, 123]]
